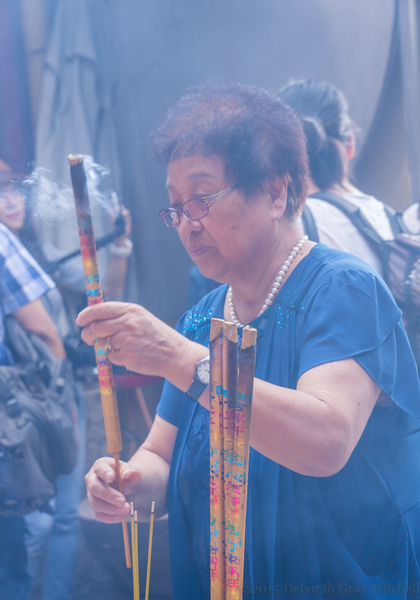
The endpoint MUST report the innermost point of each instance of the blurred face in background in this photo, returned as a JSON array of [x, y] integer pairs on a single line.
[[12, 206]]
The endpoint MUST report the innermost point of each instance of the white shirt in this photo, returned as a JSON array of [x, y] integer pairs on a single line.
[[337, 231]]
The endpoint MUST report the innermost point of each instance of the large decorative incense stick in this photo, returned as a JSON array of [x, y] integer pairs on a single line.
[[217, 507], [149, 555], [94, 296], [230, 380], [230, 418], [235, 556]]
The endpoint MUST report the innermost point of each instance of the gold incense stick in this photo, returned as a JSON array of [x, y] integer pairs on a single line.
[[149, 556], [94, 296], [133, 552], [136, 580]]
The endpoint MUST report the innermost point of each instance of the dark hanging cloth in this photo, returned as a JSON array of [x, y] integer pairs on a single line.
[[16, 134]]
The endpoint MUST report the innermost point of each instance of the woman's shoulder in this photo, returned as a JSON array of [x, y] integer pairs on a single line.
[[343, 276], [334, 263]]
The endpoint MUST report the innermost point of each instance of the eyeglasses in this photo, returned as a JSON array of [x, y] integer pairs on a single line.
[[194, 209]]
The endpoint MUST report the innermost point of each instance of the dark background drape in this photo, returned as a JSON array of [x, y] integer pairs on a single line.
[[149, 52], [16, 131]]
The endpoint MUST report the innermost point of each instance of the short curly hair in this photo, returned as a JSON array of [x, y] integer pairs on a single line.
[[257, 134]]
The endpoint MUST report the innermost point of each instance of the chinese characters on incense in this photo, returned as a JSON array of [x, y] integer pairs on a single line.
[[231, 386], [94, 296]]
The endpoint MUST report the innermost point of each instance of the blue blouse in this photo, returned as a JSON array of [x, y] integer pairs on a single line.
[[352, 534]]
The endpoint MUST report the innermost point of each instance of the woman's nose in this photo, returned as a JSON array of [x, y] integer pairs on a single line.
[[190, 224]]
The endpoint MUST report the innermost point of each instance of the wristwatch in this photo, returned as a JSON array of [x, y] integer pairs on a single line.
[[201, 380]]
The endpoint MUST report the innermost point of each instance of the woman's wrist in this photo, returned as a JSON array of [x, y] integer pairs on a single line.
[[122, 251]]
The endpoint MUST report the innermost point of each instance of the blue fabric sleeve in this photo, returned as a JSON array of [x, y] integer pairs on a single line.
[[170, 404], [353, 315]]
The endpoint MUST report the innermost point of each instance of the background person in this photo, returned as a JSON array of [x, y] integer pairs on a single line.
[[55, 534], [336, 404], [330, 135], [22, 284]]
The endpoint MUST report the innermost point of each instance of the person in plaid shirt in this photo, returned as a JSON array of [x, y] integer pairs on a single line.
[[22, 283]]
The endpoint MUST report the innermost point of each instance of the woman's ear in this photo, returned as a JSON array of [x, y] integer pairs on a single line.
[[278, 187], [350, 147]]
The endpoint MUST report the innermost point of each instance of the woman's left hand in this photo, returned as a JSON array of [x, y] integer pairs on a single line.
[[140, 341]]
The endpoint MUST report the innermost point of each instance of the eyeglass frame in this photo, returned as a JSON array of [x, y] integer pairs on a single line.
[[208, 201]]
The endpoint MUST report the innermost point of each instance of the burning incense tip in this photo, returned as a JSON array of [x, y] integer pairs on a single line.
[[135, 516], [132, 509], [75, 159], [153, 507]]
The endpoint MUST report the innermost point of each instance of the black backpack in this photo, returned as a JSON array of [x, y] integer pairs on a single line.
[[400, 258], [38, 422]]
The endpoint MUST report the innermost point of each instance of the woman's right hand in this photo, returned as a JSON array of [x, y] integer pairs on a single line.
[[109, 505]]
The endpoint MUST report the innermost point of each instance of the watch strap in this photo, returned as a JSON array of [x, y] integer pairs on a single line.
[[195, 390]]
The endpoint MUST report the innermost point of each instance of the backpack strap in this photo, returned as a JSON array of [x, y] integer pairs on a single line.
[[353, 213], [309, 224]]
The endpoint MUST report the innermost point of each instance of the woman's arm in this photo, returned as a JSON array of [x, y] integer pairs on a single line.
[[144, 478], [312, 430], [34, 317]]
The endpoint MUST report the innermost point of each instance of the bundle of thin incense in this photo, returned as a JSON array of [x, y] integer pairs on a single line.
[[94, 296], [231, 386]]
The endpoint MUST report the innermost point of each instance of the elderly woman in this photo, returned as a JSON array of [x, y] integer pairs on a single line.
[[334, 486]]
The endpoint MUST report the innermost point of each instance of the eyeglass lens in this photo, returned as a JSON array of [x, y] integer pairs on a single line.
[[195, 208]]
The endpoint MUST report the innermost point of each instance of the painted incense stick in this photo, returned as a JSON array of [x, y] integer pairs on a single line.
[[235, 564], [149, 556], [94, 296], [230, 379], [217, 506]]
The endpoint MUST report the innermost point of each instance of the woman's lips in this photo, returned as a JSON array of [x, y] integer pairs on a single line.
[[196, 250]]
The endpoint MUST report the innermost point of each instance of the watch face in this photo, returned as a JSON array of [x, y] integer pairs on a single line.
[[203, 371]]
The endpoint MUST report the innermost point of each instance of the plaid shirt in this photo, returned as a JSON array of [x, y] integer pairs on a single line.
[[21, 281]]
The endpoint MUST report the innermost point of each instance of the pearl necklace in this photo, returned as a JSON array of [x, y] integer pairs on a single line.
[[276, 285]]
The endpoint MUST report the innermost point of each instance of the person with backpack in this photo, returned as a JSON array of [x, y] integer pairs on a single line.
[[22, 284], [330, 136]]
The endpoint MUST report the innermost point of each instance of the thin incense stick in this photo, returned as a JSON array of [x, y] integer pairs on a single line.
[[94, 296], [136, 559], [217, 506], [241, 460], [149, 556], [133, 551], [230, 378]]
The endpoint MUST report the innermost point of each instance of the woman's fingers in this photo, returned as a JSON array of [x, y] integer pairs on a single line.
[[107, 502]]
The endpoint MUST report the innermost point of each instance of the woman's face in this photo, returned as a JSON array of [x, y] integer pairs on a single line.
[[12, 207], [231, 240]]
